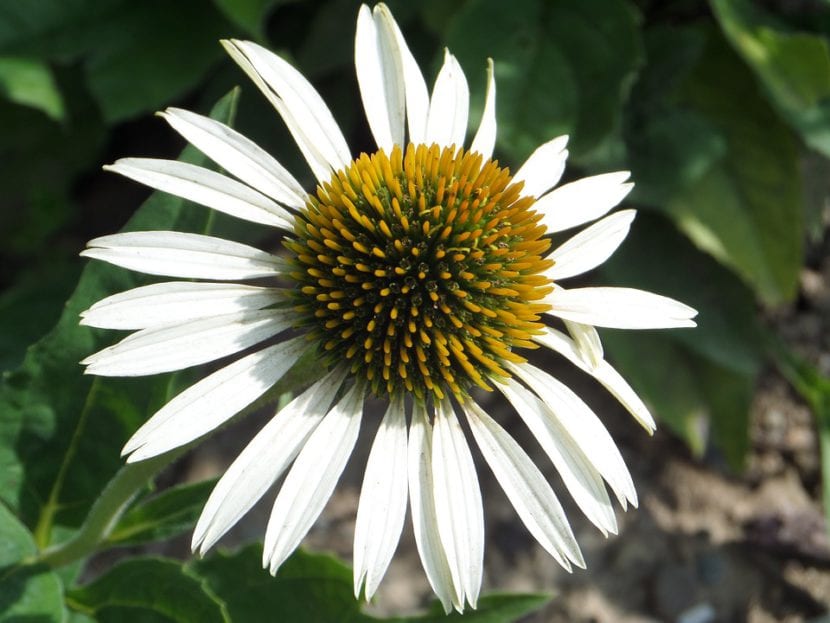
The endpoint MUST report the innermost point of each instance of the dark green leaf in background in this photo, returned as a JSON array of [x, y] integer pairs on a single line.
[[27, 594]]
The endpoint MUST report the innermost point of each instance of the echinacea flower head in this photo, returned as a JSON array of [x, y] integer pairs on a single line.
[[420, 274]]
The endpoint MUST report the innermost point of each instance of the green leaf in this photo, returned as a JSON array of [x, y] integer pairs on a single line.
[[730, 176], [29, 82], [561, 67], [695, 379], [26, 593], [147, 589], [61, 430], [248, 14], [318, 588], [162, 516], [794, 67]]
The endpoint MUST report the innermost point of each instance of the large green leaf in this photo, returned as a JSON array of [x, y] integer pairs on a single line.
[[794, 67], [61, 430], [26, 593], [147, 589], [561, 67], [727, 171], [695, 379]]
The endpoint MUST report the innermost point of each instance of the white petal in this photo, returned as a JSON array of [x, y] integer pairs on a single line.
[[238, 155], [305, 113], [204, 406], [382, 508], [544, 168], [587, 342], [584, 427], [263, 461], [415, 87], [485, 139], [379, 69], [525, 487], [205, 187], [179, 254], [590, 247], [582, 480], [193, 342], [424, 518], [620, 308], [175, 301], [449, 106], [583, 200], [603, 372], [458, 505], [312, 479]]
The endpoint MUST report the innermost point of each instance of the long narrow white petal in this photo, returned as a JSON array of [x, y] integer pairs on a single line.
[[205, 187], [587, 342], [544, 168], [312, 478], [182, 345], [382, 507], [602, 372], [458, 505], [449, 105], [379, 69], [264, 460], [583, 201], [179, 254], [424, 517], [305, 113], [175, 301], [584, 427], [212, 401], [415, 87], [525, 487], [485, 138], [620, 308], [238, 155], [590, 247], [582, 480]]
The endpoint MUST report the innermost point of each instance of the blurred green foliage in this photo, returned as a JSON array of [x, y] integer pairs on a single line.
[[714, 107]]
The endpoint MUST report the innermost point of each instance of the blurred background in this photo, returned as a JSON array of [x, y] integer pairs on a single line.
[[720, 109]]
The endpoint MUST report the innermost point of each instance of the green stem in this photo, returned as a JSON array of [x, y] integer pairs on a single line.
[[107, 510]]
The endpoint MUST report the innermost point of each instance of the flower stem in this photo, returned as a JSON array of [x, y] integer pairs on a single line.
[[107, 510]]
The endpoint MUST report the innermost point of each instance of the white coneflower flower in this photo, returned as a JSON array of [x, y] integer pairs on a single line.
[[419, 272]]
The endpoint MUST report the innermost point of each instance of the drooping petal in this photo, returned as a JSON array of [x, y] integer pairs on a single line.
[[175, 301], [211, 402], [525, 487], [584, 427], [302, 109], [620, 308], [449, 105], [415, 87], [544, 168], [382, 507], [204, 187], [238, 155], [424, 517], [590, 247], [182, 345], [264, 460], [602, 372], [485, 138], [587, 342], [583, 201], [379, 67], [312, 478], [582, 480], [179, 254], [458, 505]]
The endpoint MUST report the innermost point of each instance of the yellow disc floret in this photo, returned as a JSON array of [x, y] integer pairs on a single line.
[[424, 270]]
